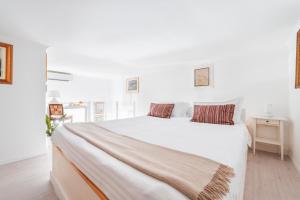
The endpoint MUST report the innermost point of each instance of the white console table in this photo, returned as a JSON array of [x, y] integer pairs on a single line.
[[75, 106]]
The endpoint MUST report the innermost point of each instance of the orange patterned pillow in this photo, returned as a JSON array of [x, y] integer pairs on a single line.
[[214, 114], [161, 110]]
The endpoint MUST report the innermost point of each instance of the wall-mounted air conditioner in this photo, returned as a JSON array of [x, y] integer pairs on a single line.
[[59, 76]]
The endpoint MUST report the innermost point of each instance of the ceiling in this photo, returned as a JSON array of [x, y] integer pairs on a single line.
[[120, 35]]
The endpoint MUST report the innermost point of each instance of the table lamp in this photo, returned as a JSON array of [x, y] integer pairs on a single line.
[[54, 94]]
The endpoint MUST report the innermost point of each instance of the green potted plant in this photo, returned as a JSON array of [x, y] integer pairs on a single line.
[[52, 124]]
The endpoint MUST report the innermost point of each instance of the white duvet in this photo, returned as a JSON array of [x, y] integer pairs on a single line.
[[222, 143]]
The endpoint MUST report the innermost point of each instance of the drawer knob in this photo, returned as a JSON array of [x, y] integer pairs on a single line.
[[267, 121]]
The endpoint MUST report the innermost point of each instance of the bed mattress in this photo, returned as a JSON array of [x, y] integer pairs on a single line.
[[222, 143]]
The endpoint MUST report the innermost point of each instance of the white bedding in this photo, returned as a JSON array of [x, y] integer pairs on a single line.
[[222, 143]]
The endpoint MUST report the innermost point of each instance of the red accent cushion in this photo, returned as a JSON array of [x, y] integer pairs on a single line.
[[214, 114], [161, 110]]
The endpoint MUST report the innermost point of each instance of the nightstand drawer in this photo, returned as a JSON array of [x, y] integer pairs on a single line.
[[268, 122]]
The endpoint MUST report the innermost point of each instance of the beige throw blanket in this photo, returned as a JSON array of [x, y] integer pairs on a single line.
[[197, 177]]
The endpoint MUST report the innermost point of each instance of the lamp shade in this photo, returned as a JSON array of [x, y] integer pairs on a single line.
[[53, 94]]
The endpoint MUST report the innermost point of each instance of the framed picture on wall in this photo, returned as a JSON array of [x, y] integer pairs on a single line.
[[202, 77], [297, 78], [132, 85], [6, 58]]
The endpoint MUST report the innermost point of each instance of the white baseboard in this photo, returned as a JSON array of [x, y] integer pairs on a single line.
[[296, 164], [57, 188], [4, 162]]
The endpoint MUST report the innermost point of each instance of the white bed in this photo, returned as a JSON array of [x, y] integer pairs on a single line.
[[222, 143]]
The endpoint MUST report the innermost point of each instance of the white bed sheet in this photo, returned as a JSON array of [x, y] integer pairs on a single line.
[[222, 143]]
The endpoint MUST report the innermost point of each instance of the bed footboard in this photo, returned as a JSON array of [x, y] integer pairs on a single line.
[[69, 182]]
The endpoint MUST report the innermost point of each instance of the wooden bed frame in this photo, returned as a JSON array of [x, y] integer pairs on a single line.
[[70, 183]]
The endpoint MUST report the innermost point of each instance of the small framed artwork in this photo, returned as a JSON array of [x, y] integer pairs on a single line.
[[201, 77], [297, 78], [6, 58], [132, 85]]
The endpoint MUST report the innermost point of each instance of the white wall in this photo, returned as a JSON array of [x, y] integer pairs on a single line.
[[22, 104], [82, 88], [86, 89], [259, 76], [294, 104]]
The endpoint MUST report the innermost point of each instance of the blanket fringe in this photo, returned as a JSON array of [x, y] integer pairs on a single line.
[[219, 185]]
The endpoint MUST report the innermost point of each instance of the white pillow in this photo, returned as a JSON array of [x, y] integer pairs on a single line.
[[237, 110], [180, 109]]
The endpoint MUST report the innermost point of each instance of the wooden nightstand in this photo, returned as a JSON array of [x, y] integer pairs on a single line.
[[274, 122]]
